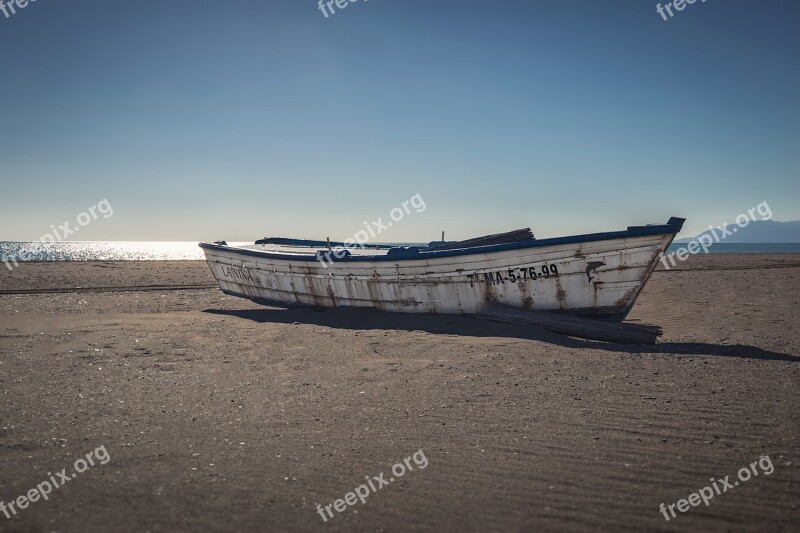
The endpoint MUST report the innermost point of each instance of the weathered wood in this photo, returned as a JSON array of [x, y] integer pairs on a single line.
[[524, 234], [598, 273], [574, 326]]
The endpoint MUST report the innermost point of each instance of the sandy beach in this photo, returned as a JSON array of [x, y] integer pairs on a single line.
[[217, 413]]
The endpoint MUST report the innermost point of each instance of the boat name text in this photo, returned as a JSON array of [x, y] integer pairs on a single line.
[[237, 273]]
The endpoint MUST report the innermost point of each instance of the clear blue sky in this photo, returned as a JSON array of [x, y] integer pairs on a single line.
[[205, 120]]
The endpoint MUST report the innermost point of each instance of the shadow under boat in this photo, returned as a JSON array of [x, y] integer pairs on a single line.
[[468, 326]]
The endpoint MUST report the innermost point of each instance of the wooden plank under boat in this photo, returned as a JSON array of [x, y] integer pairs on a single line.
[[574, 326], [591, 274]]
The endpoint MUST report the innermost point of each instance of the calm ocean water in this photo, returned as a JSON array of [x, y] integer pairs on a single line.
[[159, 251], [101, 250], [748, 248]]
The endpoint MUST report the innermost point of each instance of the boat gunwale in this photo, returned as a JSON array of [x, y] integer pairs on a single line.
[[673, 226]]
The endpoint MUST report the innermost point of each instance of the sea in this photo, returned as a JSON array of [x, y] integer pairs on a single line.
[[188, 251], [746, 248], [100, 251]]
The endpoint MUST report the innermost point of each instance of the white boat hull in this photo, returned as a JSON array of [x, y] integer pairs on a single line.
[[599, 277]]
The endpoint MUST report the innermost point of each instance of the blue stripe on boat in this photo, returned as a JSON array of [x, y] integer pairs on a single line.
[[673, 225]]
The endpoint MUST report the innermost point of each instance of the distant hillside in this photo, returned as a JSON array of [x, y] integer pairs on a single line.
[[759, 231]]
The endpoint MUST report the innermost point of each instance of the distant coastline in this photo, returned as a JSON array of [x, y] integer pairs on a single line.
[[756, 232], [746, 248]]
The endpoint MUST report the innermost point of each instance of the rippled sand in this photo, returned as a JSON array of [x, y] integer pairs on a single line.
[[221, 414]]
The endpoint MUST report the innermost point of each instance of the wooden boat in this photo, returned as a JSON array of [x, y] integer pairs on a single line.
[[591, 274]]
